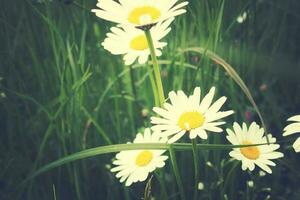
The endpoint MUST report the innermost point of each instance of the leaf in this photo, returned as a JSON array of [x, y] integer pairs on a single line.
[[124, 147]]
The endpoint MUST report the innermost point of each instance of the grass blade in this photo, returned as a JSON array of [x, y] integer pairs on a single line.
[[233, 74]]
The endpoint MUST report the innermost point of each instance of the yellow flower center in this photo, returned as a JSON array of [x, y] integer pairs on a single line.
[[143, 14], [191, 120], [144, 158], [251, 153], [139, 43]]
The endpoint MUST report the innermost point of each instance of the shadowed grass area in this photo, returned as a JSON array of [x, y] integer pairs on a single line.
[[61, 93]]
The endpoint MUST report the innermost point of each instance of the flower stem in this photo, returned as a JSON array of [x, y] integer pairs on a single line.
[[156, 70], [153, 85], [176, 172], [229, 178], [160, 178], [196, 167]]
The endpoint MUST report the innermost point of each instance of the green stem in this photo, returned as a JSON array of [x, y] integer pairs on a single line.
[[160, 178], [176, 172], [228, 178], [196, 167], [156, 70], [153, 85]]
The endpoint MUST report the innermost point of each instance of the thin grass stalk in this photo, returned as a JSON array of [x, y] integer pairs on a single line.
[[228, 178], [160, 178], [153, 85], [54, 192], [196, 167], [133, 85], [126, 193], [176, 172], [98, 127], [156, 70]]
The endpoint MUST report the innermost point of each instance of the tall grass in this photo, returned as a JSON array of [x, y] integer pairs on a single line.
[[62, 93]]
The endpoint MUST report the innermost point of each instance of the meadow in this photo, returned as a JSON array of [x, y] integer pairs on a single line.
[[61, 93]]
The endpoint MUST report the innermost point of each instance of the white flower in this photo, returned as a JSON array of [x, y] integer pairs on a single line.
[[200, 186], [292, 129], [135, 165], [250, 184], [208, 163], [262, 173], [241, 18], [132, 42], [189, 114], [138, 12], [254, 155]]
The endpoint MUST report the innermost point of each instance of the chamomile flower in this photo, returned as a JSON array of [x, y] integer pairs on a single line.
[[138, 12], [253, 155], [189, 115], [135, 165], [132, 42], [292, 129]]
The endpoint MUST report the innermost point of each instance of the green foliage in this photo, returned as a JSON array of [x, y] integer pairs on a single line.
[[62, 93]]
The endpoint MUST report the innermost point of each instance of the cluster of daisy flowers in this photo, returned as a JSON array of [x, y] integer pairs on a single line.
[[196, 117], [132, 16], [181, 115]]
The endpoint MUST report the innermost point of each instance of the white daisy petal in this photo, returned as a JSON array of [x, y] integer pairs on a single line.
[[202, 134], [232, 137], [273, 155], [206, 102], [296, 145], [212, 128], [219, 115], [264, 167], [129, 58], [193, 134], [294, 118], [251, 166], [176, 137], [236, 155], [217, 105], [291, 129]]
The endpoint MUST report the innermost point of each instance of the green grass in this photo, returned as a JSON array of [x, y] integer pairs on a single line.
[[61, 93]]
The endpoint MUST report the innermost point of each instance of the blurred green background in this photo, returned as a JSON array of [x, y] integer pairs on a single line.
[[61, 92]]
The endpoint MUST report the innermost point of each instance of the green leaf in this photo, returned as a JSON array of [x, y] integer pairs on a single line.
[[124, 147]]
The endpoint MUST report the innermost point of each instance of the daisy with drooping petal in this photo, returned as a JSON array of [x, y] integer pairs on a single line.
[[135, 165], [253, 155], [188, 114], [138, 12], [132, 42], [292, 129]]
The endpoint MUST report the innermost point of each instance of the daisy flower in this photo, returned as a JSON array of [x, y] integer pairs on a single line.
[[135, 165], [253, 155], [189, 115], [138, 12], [132, 42], [292, 129]]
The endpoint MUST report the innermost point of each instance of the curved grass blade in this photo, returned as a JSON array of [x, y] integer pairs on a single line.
[[123, 147], [233, 74]]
